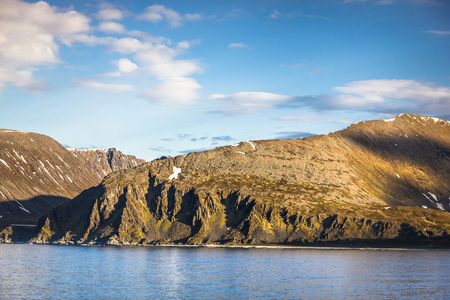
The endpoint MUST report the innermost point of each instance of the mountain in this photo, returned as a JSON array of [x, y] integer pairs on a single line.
[[37, 174], [377, 182], [104, 162]]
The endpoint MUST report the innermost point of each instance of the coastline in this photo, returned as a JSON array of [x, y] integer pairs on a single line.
[[256, 246]]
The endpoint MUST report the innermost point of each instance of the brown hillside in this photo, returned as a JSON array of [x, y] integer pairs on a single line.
[[37, 174], [375, 182]]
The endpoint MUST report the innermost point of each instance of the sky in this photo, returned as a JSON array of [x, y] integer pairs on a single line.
[[168, 77]]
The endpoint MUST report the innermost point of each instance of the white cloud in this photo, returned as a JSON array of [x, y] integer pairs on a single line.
[[238, 45], [184, 45], [275, 14], [22, 79], [112, 88], [156, 13], [124, 66], [354, 1], [28, 38], [438, 32], [193, 17], [174, 92], [31, 34], [155, 58], [293, 66], [248, 102], [149, 38], [90, 40], [127, 45], [391, 2], [161, 61], [376, 91], [110, 14], [383, 96], [111, 27], [384, 2]]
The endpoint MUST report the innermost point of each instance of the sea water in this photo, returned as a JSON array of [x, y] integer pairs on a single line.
[[75, 272]]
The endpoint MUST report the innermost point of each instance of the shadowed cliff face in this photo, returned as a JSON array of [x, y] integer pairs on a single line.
[[37, 174], [405, 161], [366, 183]]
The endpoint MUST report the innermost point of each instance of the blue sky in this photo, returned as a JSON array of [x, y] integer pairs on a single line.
[[155, 78]]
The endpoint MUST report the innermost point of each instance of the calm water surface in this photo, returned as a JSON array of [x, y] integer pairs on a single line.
[[70, 272]]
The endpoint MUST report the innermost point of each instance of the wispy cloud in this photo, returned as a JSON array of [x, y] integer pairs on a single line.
[[157, 58], [157, 13], [381, 96], [314, 70], [160, 149], [111, 27], [391, 2], [104, 87], [384, 2], [110, 14], [211, 140], [222, 138], [293, 66], [292, 134], [276, 14], [238, 45], [194, 150], [247, 102], [438, 32], [198, 139], [238, 13], [174, 92], [354, 1]]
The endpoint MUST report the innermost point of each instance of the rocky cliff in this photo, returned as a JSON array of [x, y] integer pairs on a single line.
[[374, 182], [37, 174]]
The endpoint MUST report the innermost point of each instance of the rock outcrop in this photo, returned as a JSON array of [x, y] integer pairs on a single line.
[[376, 182], [37, 174]]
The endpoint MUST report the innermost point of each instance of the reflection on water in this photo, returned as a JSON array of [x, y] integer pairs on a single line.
[[64, 272]]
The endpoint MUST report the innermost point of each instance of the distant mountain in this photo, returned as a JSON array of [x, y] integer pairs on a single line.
[[376, 182], [104, 162], [37, 174]]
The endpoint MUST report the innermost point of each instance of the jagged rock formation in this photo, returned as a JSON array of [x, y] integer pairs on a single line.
[[376, 181], [104, 162], [37, 174]]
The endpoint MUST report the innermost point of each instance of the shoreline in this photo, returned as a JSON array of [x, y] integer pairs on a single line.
[[268, 247]]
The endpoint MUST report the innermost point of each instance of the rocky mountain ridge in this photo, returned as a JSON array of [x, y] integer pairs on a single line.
[[37, 174], [104, 162], [374, 182]]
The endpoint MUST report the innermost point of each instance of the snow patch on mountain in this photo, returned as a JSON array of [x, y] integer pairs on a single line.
[[176, 172]]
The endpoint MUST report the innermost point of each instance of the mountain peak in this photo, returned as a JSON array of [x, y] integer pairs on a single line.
[[411, 118], [400, 124], [418, 118]]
